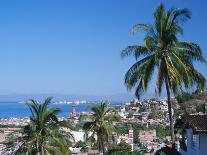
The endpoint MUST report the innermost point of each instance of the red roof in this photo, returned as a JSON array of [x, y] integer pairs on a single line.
[[197, 122]]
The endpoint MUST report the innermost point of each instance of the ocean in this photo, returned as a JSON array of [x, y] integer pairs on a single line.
[[15, 109]]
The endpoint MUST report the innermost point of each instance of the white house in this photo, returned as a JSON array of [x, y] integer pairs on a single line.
[[194, 137], [127, 138]]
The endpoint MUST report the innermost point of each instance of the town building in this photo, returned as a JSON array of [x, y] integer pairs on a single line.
[[147, 136], [194, 134], [127, 138], [73, 116]]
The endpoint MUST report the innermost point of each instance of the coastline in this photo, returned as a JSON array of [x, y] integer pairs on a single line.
[[20, 110]]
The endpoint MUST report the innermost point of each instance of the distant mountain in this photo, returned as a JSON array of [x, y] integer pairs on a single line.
[[116, 98]]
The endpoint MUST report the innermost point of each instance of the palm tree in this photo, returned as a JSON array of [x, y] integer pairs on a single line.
[[42, 135], [100, 124], [165, 56]]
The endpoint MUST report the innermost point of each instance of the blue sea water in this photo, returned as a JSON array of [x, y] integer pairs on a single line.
[[15, 109]]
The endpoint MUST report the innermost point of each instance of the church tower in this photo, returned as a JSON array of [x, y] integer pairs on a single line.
[[131, 138]]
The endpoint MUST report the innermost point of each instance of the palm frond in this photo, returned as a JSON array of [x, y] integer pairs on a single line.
[[136, 51]]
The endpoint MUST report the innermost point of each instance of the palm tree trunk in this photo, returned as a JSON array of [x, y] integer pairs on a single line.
[[170, 111], [42, 150], [102, 143], [37, 148]]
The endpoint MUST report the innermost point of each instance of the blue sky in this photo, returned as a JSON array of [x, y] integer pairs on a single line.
[[73, 46]]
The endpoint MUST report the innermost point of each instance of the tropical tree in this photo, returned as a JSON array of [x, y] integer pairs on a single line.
[[165, 56], [100, 124], [121, 148], [82, 145], [43, 135]]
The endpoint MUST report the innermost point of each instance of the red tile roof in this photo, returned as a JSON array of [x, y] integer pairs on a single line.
[[197, 122]]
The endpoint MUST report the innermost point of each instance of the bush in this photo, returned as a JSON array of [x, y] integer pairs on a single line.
[[122, 149]]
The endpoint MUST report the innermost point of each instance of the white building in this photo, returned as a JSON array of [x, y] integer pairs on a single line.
[[127, 138], [194, 137], [163, 106], [147, 136]]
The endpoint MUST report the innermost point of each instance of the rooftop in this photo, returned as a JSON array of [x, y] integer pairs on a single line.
[[197, 122]]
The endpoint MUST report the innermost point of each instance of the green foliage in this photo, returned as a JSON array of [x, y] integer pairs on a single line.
[[155, 113], [130, 115], [142, 109], [163, 52], [122, 149], [200, 108], [152, 114], [57, 146], [184, 109], [122, 129], [162, 153], [101, 124], [82, 145], [162, 131], [79, 144], [167, 151], [84, 149], [43, 134], [187, 108], [183, 97], [186, 96], [10, 138], [9, 126], [137, 128]]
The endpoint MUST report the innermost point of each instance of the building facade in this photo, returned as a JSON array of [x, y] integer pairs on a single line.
[[194, 135]]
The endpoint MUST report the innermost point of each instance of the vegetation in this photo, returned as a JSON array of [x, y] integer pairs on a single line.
[[122, 148], [142, 109], [101, 124], [186, 96], [167, 151], [195, 104], [164, 53], [136, 127], [155, 113], [82, 145], [183, 97], [9, 126], [43, 135], [123, 129], [162, 131]]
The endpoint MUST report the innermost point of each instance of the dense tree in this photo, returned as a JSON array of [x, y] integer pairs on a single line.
[[124, 129], [167, 151], [122, 149], [162, 131], [101, 124], [42, 135], [163, 53]]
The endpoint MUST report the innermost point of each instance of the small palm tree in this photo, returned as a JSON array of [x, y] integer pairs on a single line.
[[42, 135], [163, 53], [100, 124]]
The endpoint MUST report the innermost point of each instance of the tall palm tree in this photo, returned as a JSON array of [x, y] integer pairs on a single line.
[[42, 135], [100, 124], [165, 56]]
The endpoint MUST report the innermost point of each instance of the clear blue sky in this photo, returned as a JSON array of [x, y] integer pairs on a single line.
[[73, 46]]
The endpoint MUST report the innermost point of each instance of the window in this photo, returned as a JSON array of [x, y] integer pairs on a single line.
[[130, 135], [194, 141], [130, 141]]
